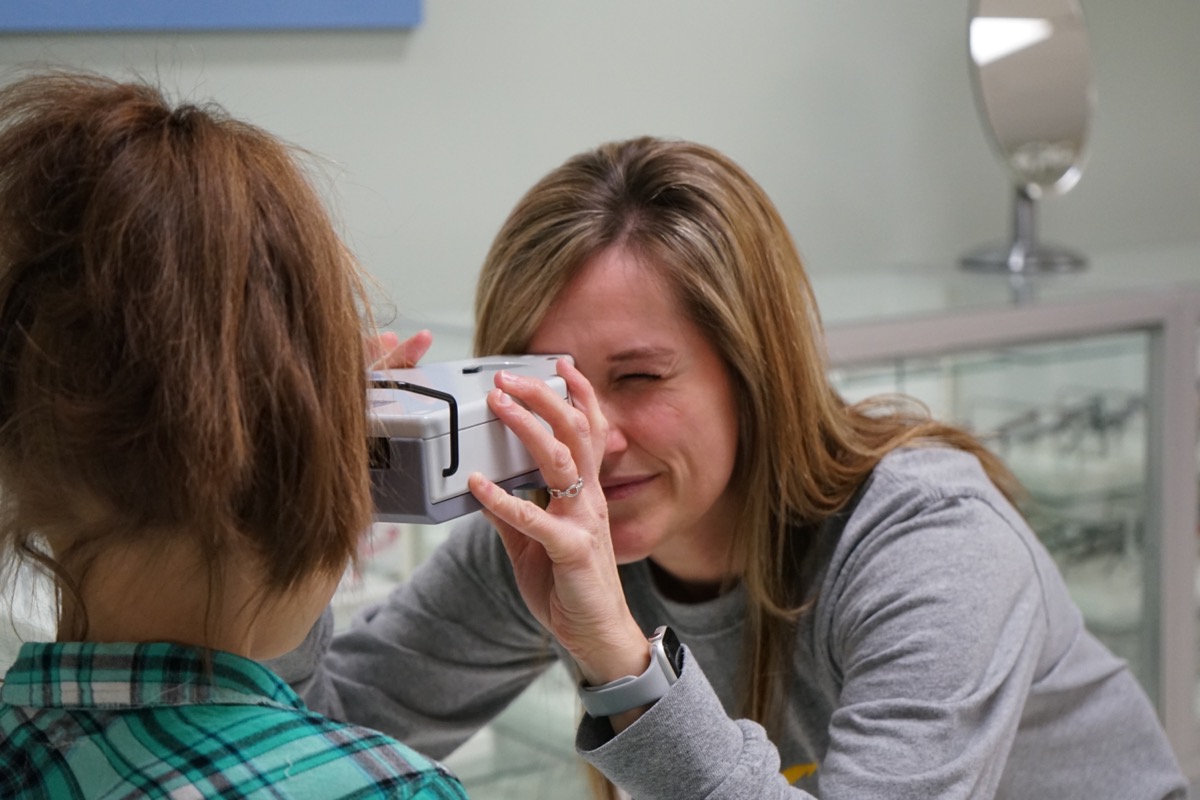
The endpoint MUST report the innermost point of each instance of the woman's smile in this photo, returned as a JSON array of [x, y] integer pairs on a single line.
[[617, 489]]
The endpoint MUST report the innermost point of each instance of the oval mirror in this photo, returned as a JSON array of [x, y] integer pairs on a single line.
[[1031, 69]]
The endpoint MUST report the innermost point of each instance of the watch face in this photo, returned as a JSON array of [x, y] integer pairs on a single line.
[[672, 648]]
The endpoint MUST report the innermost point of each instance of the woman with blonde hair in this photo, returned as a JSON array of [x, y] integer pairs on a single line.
[[183, 450], [843, 599]]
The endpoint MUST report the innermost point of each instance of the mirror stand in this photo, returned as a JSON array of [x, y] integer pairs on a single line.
[[1023, 253]]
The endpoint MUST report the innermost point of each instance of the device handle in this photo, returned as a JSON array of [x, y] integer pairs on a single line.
[[446, 397]]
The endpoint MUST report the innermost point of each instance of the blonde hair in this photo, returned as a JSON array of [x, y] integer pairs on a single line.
[[713, 234], [181, 338]]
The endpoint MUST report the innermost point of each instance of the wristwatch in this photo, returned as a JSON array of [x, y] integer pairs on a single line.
[[631, 691]]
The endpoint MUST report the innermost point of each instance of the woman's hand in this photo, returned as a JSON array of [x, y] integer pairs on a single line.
[[562, 555], [386, 351]]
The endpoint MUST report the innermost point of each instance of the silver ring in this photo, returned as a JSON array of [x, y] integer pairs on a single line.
[[570, 491]]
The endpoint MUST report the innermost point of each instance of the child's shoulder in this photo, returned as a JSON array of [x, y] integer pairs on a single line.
[[362, 758]]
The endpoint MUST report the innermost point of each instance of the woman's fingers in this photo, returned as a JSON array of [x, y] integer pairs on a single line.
[[570, 585], [561, 555], [531, 563], [386, 351], [518, 546], [583, 397], [511, 515], [564, 453]]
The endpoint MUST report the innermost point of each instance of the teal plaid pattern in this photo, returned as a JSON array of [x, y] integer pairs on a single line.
[[95, 720]]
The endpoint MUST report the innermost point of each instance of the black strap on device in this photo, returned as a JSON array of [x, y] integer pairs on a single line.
[[405, 386]]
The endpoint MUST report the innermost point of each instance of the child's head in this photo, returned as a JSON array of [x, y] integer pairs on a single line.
[[181, 341]]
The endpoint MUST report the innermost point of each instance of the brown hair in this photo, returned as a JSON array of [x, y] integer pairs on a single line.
[[694, 215], [181, 337]]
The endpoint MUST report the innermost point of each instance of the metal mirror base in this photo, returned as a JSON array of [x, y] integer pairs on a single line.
[[1016, 257], [1023, 254]]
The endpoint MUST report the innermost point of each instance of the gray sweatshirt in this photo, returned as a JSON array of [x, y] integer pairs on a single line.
[[943, 659]]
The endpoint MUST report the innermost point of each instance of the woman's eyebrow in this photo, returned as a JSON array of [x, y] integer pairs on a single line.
[[640, 353]]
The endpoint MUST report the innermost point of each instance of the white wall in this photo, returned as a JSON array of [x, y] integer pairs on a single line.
[[856, 116]]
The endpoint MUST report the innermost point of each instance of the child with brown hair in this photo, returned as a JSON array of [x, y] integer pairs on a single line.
[[182, 447]]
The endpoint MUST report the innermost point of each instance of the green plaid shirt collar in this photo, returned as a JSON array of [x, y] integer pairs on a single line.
[[82, 721], [112, 676]]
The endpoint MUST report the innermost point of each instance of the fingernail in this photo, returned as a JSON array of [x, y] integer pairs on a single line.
[[480, 486], [502, 397]]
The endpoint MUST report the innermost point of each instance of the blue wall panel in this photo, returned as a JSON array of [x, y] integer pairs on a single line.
[[32, 16]]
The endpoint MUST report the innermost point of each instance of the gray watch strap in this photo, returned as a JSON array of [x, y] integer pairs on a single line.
[[632, 691]]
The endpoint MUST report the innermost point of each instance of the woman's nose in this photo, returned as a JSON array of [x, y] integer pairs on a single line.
[[614, 441]]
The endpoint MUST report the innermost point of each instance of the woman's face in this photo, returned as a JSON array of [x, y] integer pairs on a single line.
[[672, 420]]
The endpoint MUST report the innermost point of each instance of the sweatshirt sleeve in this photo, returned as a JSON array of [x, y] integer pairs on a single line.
[[936, 624], [685, 745], [445, 653]]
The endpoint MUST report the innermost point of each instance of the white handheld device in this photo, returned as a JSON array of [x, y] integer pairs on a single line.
[[431, 428]]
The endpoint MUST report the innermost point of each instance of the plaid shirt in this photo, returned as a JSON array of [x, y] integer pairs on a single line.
[[91, 720]]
